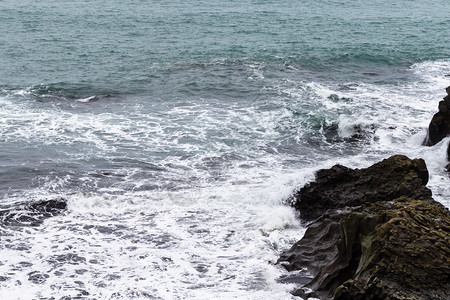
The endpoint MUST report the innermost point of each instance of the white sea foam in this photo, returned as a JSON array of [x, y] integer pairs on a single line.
[[220, 234], [88, 99], [188, 201], [398, 117], [348, 126], [433, 73], [142, 244]]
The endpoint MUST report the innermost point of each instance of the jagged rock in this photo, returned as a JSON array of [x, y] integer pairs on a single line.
[[340, 186], [407, 254], [318, 251], [31, 214], [397, 249], [380, 235], [439, 127]]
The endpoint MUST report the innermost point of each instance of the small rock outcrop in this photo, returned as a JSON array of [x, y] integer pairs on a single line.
[[31, 214], [49, 207], [439, 127], [379, 235], [340, 186]]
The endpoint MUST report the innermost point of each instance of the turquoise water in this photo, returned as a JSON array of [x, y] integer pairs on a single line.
[[178, 130], [131, 46]]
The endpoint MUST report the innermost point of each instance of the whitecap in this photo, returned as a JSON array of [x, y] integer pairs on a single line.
[[88, 99]]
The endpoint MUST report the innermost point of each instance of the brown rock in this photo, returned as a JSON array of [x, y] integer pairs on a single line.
[[396, 250], [406, 256]]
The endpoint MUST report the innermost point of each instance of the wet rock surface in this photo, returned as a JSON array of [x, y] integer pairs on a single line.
[[439, 127], [380, 245], [340, 186], [405, 251], [31, 214]]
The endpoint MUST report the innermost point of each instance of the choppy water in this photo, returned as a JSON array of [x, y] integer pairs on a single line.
[[178, 130]]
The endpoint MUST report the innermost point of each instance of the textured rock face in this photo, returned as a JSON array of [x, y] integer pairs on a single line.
[[396, 249], [321, 253], [340, 186], [405, 251]]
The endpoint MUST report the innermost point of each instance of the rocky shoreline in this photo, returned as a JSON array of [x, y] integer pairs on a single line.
[[374, 233]]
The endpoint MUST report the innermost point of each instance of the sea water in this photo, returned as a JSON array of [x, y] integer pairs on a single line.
[[177, 131]]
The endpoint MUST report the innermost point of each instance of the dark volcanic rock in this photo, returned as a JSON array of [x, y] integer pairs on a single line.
[[443, 107], [439, 127], [396, 249], [319, 252], [31, 214], [340, 186], [49, 207]]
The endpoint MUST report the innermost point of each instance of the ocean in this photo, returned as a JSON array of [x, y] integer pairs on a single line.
[[177, 132]]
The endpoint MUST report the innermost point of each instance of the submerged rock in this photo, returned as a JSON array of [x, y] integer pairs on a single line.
[[397, 249], [340, 186], [50, 207], [349, 133], [31, 214]]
